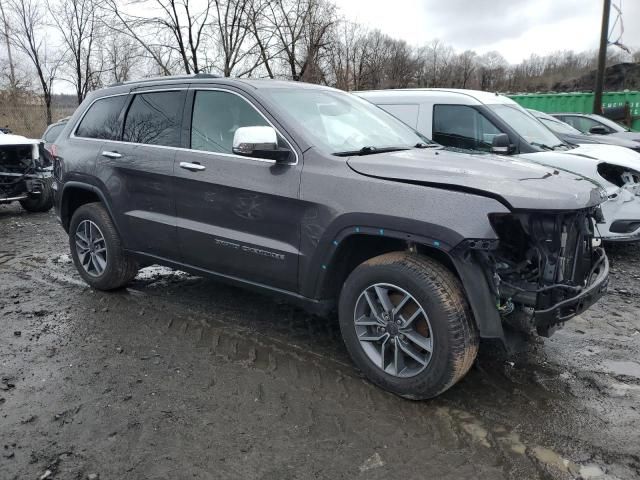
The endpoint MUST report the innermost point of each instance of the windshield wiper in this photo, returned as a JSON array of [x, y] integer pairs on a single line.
[[541, 145], [425, 145], [368, 151]]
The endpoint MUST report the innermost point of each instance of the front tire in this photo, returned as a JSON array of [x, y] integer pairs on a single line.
[[97, 250], [41, 202], [407, 324]]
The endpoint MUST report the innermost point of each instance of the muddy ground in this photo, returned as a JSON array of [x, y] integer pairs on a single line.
[[180, 377]]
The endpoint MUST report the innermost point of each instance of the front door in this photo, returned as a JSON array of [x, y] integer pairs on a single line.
[[236, 216]]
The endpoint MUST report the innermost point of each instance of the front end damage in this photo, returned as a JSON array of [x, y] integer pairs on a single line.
[[544, 268], [23, 171]]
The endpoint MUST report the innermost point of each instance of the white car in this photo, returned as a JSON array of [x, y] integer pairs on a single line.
[[25, 174], [488, 122]]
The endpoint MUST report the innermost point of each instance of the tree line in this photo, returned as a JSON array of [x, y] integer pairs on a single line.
[[93, 43]]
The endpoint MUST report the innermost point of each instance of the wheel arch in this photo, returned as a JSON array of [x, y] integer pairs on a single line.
[[74, 195], [354, 245]]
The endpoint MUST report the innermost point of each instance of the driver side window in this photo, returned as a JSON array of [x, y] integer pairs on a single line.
[[216, 117], [462, 126]]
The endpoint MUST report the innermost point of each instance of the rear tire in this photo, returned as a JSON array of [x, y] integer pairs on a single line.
[[42, 202], [434, 297], [97, 250]]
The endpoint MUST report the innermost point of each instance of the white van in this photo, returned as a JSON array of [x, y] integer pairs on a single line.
[[476, 121]]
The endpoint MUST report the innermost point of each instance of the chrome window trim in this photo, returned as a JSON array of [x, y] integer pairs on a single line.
[[195, 89]]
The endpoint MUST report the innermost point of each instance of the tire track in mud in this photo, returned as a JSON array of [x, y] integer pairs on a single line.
[[295, 372]]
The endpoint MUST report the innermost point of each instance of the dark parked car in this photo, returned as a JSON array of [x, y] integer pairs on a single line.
[[571, 135], [597, 124], [317, 196], [51, 133]]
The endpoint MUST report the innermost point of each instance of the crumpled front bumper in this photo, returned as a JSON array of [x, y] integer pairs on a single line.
[[568, 308], [22, 186]]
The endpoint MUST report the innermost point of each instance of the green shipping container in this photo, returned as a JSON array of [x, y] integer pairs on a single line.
[[580, 102]]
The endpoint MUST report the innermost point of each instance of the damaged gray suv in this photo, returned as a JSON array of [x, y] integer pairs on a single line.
[[317, 196]]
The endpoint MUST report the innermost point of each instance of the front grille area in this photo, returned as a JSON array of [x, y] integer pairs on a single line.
[[542, 258]]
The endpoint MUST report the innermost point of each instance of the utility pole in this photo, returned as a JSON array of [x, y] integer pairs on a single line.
[[602, 58]]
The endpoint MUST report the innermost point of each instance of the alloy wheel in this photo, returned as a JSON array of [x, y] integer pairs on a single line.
[[393, 330], [91, 248]]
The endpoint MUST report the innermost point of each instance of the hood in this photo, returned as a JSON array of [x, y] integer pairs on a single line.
[[634, 136], [613, 154], [614, 140], [519, 183], [584, 159], [10, 139]]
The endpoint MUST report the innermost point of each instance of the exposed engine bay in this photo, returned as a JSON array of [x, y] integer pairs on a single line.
[[544, 267]]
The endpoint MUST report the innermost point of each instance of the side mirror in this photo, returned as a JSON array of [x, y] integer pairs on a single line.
[[598, 130], [259, 142], [500, 144]]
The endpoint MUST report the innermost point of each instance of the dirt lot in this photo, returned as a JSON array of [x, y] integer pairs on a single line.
[[180, 377]]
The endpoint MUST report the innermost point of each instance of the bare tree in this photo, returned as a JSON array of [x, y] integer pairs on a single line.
[[233, 35], [12, 70], [168, 28], [28, 34], [78, 24], [120, 55], [301, 29]]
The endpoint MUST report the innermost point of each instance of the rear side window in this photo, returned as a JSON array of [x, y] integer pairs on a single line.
[[52, 133], [583, 124], [216, 117], [405, 113], [102, 119], [462, 127], [155, 118]]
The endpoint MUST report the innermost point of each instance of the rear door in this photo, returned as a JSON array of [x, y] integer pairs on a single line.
[[138, 170], [237, 216]]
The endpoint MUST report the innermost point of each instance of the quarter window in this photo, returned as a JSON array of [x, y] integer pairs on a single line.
[[216, 117], [462, 127], [155, 118], [102, 119]]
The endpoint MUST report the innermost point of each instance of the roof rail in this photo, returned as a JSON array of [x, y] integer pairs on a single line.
[[166, 77]]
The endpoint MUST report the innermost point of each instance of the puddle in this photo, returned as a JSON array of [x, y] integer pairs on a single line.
[[627, 368]]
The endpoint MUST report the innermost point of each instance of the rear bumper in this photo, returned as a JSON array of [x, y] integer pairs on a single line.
[[569, 308]]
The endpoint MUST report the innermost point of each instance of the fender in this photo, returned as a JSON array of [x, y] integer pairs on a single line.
[[313, 276], [435, 237], [64, 217]]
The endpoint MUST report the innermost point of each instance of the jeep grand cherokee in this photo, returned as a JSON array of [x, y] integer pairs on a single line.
[[317, 196]]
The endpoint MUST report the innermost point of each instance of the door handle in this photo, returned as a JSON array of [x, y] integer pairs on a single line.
[[193, 167], [111, 154]]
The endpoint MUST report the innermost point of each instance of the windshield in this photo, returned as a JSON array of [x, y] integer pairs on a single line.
[[610, 123], [559, 127], [340, 122], [526, 125]]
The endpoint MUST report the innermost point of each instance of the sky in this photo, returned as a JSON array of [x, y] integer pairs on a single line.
[[515, 28]]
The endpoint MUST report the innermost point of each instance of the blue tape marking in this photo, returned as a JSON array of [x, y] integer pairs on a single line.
[[324, 267], [357, 229], [335, 242], [381, 232], [436, 243]]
